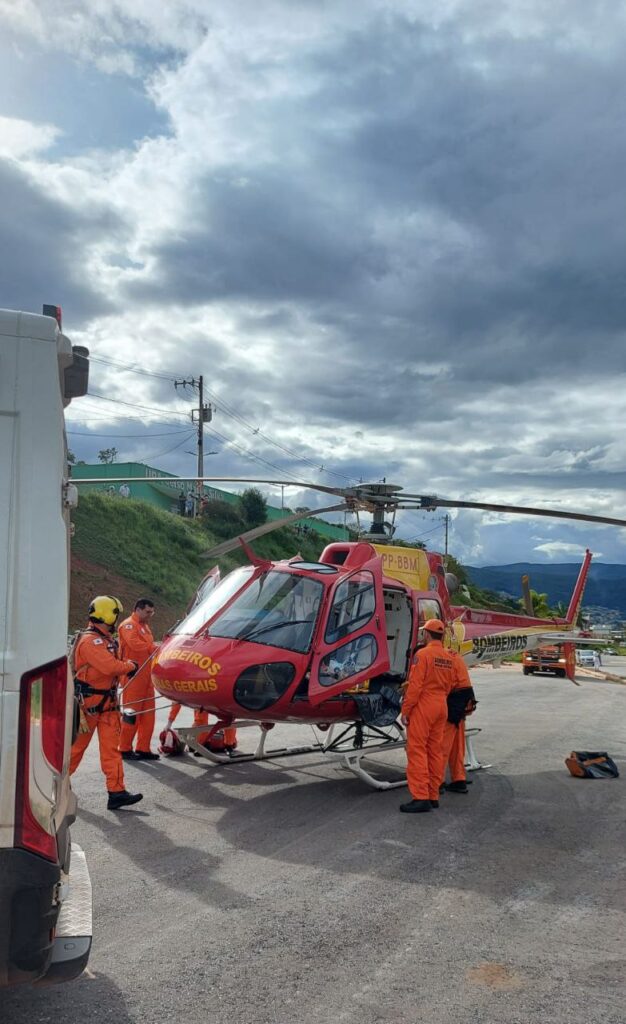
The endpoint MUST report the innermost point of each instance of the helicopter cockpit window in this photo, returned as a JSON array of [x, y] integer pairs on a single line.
[[348, 660], [428, 610], [353, 605], [278, 608], [214, 600]]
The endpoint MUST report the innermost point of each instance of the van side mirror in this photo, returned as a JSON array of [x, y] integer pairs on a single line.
[[76, 376]]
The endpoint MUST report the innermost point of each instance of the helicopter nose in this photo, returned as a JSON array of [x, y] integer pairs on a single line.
[[184, 669]]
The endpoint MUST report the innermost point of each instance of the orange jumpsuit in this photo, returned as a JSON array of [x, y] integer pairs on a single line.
[[173, 715], [220, 740], [433, 673], [96, 663], [453, 742], [200, 717], [137, 643]]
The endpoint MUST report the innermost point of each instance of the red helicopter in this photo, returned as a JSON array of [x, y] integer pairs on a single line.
[[329, 643]]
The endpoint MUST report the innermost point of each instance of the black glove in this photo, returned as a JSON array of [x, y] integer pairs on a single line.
[[133, 671]]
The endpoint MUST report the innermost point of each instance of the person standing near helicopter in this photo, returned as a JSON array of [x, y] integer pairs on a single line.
[[97, 668], [137, 642], [461, 702], [434, 673]]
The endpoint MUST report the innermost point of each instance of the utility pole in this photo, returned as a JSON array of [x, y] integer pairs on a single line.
[[446, 520], [205, 415], [200, 432]]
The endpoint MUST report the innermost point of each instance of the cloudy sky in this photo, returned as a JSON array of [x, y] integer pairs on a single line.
[[391, 235]]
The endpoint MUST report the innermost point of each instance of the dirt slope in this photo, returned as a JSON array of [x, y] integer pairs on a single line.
[[89, 579]]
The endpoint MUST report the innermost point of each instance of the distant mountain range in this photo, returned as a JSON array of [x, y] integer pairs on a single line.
[[606, 585]]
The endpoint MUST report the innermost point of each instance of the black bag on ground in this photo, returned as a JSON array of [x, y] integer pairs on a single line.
[[592, 764]]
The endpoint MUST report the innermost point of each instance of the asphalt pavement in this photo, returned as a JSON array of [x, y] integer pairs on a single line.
[[289, 892]]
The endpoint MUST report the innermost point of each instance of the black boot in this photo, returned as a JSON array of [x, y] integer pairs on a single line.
[[415, 807], [129, 755], [146, 755], [123, 799], [457, 787], [434, 804]]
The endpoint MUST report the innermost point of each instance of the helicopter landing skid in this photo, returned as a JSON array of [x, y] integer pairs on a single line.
[[189, 736], [358, 741], [348, 748]]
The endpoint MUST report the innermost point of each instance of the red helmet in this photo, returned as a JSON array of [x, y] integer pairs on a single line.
[[170, 743], [435, 626]]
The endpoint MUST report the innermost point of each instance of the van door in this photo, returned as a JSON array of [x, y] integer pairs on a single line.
[[353, 644]]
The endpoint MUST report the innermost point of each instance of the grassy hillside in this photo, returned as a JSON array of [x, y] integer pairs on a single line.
[[144, 552]]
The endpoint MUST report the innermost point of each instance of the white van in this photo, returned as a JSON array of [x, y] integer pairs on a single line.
[[45, 908], [585, 657]]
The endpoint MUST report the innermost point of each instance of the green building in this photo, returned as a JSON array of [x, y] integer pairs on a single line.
[[163, 489]]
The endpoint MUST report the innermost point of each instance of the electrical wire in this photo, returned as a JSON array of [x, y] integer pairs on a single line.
[[168, 433], [142, 371], [251, 455], [230, 411], [156, 455], [135, 405]]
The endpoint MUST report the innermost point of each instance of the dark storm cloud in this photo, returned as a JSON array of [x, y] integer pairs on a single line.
[[41, 250], [268, 239], [471, 193]]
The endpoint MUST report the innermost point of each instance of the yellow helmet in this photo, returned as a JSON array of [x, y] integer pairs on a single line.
[[105, 609]]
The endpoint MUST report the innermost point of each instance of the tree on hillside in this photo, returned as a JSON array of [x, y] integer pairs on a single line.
[[541, 608], [71, 458], [253, 507], [107, 455], [222, 517]]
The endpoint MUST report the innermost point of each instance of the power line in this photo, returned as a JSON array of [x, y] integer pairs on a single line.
[[250, 455], [168, 433], [132, 369], [135, 405], [232, 413], [167, 451]]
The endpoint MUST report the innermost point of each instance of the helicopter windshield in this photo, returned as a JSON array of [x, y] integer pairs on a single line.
[[277, 608], [214, 600]]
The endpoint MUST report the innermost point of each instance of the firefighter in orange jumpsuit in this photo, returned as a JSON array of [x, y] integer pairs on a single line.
[[137, 643], [97, 668], [453, 742], [222, 741], [433, 673]]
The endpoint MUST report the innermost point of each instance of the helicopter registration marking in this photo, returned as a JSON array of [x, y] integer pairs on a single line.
[[192, 685], [193, 658]]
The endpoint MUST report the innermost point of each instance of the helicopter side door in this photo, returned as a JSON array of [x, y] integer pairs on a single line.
[[353, 642]]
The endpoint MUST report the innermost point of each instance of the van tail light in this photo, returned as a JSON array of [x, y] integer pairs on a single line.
[[40, 755]]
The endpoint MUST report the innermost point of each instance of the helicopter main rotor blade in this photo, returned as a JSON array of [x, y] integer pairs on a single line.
[[430, 503], [339, 491], [276, 524]]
